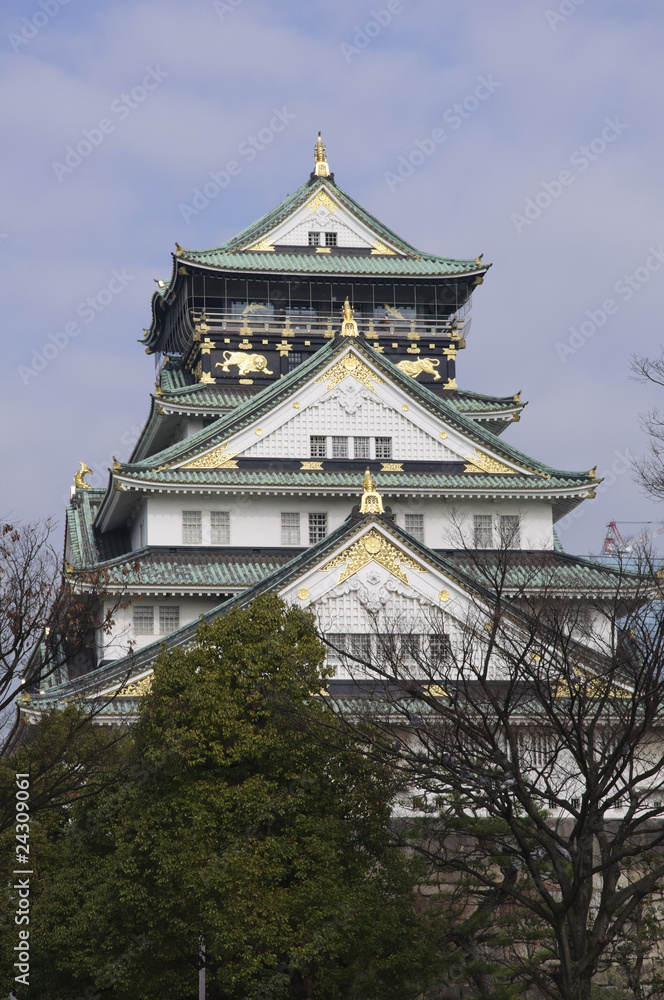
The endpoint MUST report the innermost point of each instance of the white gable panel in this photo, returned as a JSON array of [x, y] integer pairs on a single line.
[[352, 411], [324, 222], [357, 405], [323, 213]]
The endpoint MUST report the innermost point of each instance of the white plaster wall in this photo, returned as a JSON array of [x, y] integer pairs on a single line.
[[256, 522], [116, 644]]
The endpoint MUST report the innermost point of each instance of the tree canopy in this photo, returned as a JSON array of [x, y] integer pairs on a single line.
[[240, 836]]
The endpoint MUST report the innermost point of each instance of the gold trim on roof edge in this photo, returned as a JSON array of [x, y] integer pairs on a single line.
[[479, 462], [218, 458]]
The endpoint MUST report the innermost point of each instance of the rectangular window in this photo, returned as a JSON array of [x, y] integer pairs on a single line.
[[439, 648], [317, 527], [411, 646], [290, 529], [143, 620], [220, 527], [330, 239], [294, 359], [383, 447], [542, 749], [192, 527], [314, 239], [317, 446], [509, 531], [337, 647], [483, 531], [415, 526], [361, 448], [339, 447], [360, 646], [169, 619]]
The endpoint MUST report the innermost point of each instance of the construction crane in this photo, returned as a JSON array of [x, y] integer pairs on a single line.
[[615, 544]]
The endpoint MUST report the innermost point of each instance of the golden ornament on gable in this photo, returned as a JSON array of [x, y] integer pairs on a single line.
[[350, 364]]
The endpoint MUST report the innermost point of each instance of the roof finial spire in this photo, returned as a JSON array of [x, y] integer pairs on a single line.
[[372, 502], [321, 168]]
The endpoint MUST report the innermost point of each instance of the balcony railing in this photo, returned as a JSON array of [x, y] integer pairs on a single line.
[[292, 322]]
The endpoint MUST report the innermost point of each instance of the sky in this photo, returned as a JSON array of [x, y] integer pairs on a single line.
[[547, 160]]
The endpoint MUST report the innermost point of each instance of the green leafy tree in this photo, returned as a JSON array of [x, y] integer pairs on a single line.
[[243, 835]]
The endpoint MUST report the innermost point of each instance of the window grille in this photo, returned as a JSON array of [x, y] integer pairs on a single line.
[[575, 803], [317, 527], [440, 648], [415, 526], [338, 640], [483, 531], [361, 447], [360, 645], [220, 527], [330, 239], [192, 527], [314, 239], [510, 535], [294, 359], [542, 749], [411, 646], [290, 529], [339, 447], [169, 619], [317, 446], [143, 620], [383, 447]]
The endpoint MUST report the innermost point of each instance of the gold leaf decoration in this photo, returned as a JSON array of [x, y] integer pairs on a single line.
[[322, 199], [373, 547], [134, 689], [265, 246], [484, 463], [350, 364], [218, 458], [380, 248]]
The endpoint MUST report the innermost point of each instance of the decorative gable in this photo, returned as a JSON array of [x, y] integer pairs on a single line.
[[320, 214]]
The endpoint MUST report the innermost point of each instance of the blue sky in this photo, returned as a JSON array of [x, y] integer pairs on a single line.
[[553, 172]]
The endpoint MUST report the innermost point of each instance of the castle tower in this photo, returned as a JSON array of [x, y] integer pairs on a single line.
[[312, 346]]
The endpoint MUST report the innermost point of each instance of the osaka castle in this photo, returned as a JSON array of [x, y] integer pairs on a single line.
[[309, 434]]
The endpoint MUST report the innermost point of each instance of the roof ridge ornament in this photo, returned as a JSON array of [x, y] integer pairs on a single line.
[[321, 167], [79, 481], [372, 502], [349, 325]]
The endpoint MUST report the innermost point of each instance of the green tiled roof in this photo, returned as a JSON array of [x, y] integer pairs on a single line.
[[329, 263], [210, 396], [230, 255], [550, 571], [218, 570], [80, 516], [386, 482], [193, 569], [475, 402]]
